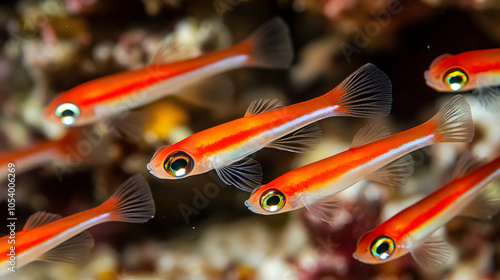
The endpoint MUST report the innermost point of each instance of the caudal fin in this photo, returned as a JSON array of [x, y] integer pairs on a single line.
[[453, 123], [366, 93], [132, 202], [271, 46]]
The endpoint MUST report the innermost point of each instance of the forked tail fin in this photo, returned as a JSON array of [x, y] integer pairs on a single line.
[[366, 93], [132, 202], [270, 45], [453, 123]]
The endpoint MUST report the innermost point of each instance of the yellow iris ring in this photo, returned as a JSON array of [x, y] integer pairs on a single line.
[[272, 200], [179, 164], [383, 247], [456, 79]]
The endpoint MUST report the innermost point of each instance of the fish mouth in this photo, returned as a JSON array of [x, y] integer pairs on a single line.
[[427, 76], [250, 207], [355, 256], [429, 82], [154, 172]]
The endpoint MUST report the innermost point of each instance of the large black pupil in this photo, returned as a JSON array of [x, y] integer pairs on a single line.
[[456, 80], [67, 113], [179, 164], [382, 248], [273, 200]]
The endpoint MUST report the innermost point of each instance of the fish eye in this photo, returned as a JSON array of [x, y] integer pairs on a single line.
[[382, 247], [272, 200], [455, 79], [68, 113], [178, 164]]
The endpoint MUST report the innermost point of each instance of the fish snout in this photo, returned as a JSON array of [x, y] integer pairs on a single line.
[[251, 207], [427, 77], [154, 171]]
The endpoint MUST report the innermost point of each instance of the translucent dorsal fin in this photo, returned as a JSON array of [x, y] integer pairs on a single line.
[[174, 50], [368, 134], [260, 106], [39, 219]]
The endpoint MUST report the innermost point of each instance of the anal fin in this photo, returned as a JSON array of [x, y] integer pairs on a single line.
[[303, 140], [466, 163], [72, 250]]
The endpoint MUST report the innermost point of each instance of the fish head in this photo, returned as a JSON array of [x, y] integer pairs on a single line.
[[64, 110], [172, 162], [269, 200], [376, 247], [447, 74]]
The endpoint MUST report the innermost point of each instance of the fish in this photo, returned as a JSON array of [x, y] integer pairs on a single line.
[[373, 155], [411, 230], [477, 71], [226, 148], [39, 153], [49, 237], [100, 99]]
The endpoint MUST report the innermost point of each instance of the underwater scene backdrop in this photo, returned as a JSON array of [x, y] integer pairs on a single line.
[[202, 227]]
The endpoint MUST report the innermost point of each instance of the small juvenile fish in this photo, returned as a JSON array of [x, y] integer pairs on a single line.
[[48, 237], [268, 47], [373, 156], [410, 231], [477, 71], [365, 93]]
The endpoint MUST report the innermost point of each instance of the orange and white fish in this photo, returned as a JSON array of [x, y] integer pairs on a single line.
[[77, 147], [269, 46], [48, 237], [411, 230], [39, 153], [365, 93], [477, 71], [373, 156]]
